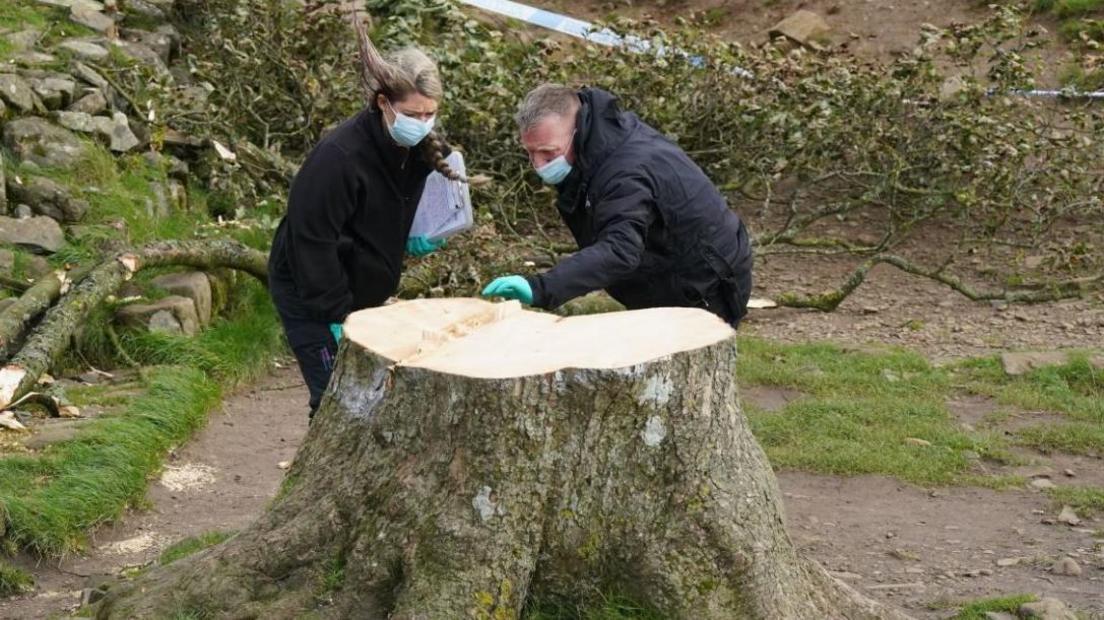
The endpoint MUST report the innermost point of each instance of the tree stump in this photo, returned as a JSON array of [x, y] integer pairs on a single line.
[[470, 457]]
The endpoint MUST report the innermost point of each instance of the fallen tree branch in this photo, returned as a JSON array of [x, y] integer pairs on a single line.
[[53, 335], [830, 300], [34, 301]]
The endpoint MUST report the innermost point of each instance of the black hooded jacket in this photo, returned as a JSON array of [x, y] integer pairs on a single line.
[[340, 246], [652, 229]]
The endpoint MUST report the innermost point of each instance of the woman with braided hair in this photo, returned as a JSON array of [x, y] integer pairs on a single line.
[[340, 246]]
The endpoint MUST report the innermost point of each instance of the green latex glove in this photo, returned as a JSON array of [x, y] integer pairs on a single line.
[[337, 331], [510, 287], [420, 246]]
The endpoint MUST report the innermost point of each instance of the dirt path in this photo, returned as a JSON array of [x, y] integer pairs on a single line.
[[219, 481], [909, 546]]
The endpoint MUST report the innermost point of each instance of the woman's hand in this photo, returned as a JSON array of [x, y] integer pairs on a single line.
[[420, 246]]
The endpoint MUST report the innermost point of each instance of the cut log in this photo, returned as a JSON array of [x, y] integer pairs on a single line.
[[469, 458]]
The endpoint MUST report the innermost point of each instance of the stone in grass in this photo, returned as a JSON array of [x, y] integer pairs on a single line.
[[30, 265], [173, 315], [88, 16], [1046, 609], [38, 141], [16, 91], [55, 92], [1068, 516], [1066, 566], [1043, 483], [33, 59], [50, 198], [85, 50], [91, 104], [122, 138], [803, 28], [194, 285], [38, 234]]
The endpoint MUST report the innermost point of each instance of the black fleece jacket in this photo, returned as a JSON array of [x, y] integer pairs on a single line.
[[349, 213], [651, 227]]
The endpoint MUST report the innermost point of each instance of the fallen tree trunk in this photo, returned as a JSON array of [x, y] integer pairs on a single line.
[[469, 459], [15, 319], [52, 336]]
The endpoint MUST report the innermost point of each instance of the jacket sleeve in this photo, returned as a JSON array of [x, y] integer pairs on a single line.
[[323, 197], [622, 216]]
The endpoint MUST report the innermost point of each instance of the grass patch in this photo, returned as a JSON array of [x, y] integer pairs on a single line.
[[976, 610], [14, 581], [53, 498], [1069, 8], [612, 608], [1086, 501], [191, 545], [862, 414]]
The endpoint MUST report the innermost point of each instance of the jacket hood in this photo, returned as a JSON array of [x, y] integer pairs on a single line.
[[600, 128]]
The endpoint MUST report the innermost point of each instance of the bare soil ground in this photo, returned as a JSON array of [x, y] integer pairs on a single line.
[[219, 481]]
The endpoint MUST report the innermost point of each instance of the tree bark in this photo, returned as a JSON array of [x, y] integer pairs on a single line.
[[52, 336], [476, 466]]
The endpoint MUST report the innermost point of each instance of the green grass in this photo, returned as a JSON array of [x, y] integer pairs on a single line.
[[612, 608], [1069, 8], [191, 545], [1086, 501], [53, 498], [1008, 604], [861, 410], [14, 581]]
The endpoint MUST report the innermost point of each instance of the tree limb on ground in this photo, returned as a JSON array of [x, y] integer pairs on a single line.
[[53, 335], [830, 300]]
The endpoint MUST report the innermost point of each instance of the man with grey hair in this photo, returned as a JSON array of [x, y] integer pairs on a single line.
[[652, 229]]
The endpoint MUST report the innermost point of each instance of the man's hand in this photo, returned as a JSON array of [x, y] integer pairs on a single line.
[[337, 331], [510, 287], [420, 246]]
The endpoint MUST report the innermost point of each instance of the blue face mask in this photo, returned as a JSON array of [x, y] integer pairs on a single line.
[[409, 131], [555, 171]]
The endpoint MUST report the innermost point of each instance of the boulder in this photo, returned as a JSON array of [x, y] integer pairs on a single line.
[[87, 15], [16, 91], [91, 104], [43, 143], [161, 44], [145, 9], [142, 54], [1047, 609], [33, 59], [77, 121], [38, 234], [173, 314], [24, 40], [803, 28], [55, 92], [23, 265], [194, 285], [85, 50], [122, 139], [49, 198]]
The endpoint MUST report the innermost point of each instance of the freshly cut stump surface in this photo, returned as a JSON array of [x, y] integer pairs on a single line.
[[472, 459]]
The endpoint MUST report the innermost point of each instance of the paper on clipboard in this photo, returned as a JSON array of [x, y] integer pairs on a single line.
[[445, 208]]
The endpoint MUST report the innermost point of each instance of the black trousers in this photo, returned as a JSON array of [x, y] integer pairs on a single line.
[[311, 341]]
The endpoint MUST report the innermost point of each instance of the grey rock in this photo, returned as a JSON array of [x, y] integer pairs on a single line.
[[178, 195], [22, 211], [160, 43], [1043, 483], [194, 285], [172, 314], [38, 141], [33, 59], [173, 34], [3, 110], [142, 54], [23, 40], [87, 15], [91, 104], [1066, 566], [5, 302], [38, 234], [122, 138], [47, 197], [89, 75], [145, 9], [951, 87], [55, 92], [1022, 362], [16, 91], [3, 187], [77, 121], [803, 28], [85, 50], [1069, 517], [91, 5], [1047, 609], [31, 266]]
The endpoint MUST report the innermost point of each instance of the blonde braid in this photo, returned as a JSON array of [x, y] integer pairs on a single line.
[[433, 148]]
